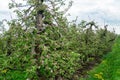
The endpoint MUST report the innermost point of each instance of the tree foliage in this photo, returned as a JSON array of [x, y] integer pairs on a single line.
[[42, 45]]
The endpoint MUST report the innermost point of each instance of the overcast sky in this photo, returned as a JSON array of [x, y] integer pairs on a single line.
[[101, 11]]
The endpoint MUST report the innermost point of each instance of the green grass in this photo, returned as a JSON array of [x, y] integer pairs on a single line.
[[14, 75], [109, 69]]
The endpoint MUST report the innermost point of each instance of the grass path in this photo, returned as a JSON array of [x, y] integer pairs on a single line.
[[109, 69]]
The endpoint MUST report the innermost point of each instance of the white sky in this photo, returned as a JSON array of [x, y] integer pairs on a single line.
[[101, 11]]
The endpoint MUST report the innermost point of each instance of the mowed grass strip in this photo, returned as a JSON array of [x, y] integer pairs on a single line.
[[109, 69]]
